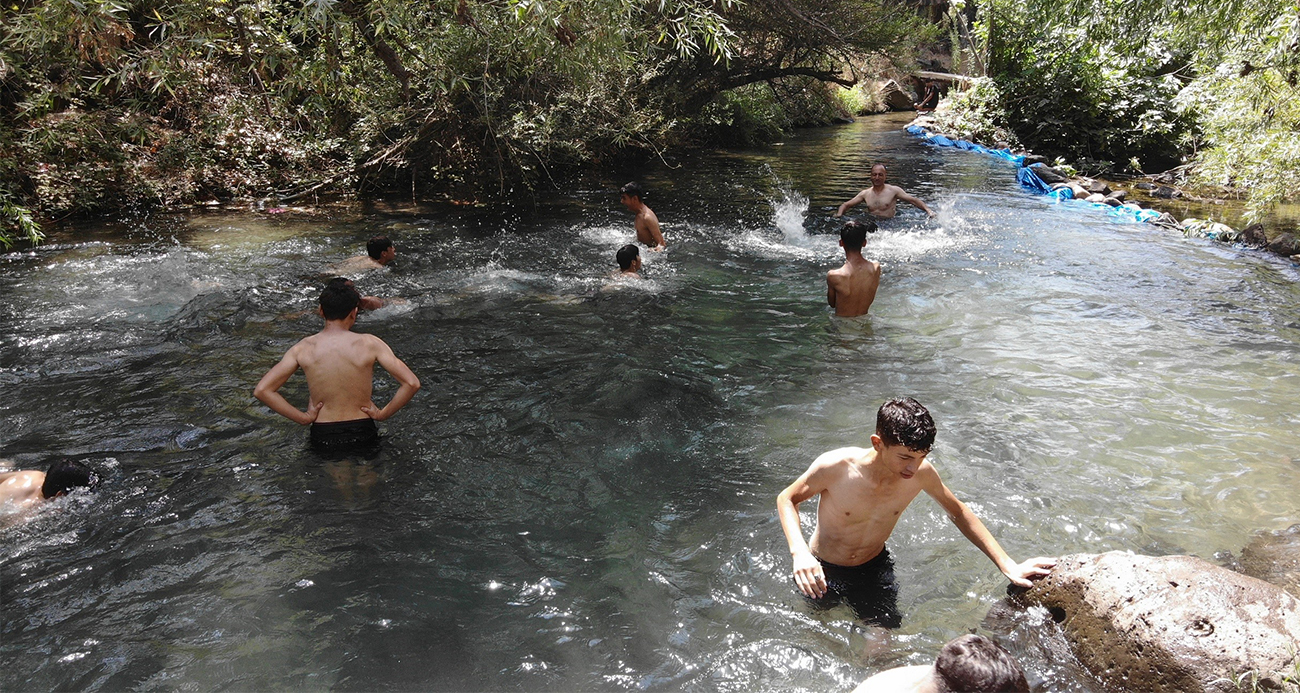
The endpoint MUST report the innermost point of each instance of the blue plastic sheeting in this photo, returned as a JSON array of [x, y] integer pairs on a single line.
[[1028, 179], [941, 141]]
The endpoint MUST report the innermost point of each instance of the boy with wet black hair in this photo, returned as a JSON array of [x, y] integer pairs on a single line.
[[851, 289], [27, 487], [379, 253], [862, 494], [629, 261], [339, 365], [381, 250], [967, 664], [646, 223]]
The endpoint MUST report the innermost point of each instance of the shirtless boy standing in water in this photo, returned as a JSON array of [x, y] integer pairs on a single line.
[[646, 223], [863, 492], [339, 365], [881, 199], [851, 289]]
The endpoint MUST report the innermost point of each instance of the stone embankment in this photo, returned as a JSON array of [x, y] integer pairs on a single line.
[[1172, 624]]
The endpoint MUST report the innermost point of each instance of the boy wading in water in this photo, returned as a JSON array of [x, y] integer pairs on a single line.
[[339, 365], [851, 289], [863, 492]]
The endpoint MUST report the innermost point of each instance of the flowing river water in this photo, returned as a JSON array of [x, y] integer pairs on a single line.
[[582, 497]]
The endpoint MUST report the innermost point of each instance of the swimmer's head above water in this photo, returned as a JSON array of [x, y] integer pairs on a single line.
[[339, 299], [629, 259], [66, 475], [381, 250], [905, 421], [854, 234]]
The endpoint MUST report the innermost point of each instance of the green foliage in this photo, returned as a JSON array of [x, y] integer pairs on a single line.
[[1153, 84], [111, 103], [860, 99], [1082, 99], [975, 113], [1250, 124]]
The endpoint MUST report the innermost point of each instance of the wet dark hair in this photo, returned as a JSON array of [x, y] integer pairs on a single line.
[[626, 255], [377, 246], [976, 664], [338, 299], [903, 421], [854, 233], [65, 475], [632, 190]]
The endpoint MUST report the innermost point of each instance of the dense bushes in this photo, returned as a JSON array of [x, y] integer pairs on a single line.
[[1144, 85], [112, 103]]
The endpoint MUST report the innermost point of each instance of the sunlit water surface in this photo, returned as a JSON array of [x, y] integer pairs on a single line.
[[582, 495]]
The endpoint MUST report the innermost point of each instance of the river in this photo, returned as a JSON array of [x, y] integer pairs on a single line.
[[582, 496]]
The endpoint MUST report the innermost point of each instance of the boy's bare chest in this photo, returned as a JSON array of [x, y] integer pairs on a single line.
[[860, 501]]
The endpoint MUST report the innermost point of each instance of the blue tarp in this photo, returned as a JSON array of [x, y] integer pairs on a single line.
[[1030, 180]]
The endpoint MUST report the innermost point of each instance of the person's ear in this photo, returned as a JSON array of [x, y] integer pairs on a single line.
[[876, 442]]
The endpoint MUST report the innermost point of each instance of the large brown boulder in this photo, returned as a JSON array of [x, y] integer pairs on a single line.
[[894, 96], [1172, 624], [1275, 557]]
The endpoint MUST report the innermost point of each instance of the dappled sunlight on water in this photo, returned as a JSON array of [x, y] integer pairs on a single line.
[[582, 496]]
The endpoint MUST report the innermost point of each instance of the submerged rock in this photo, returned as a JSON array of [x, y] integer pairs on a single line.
[[1170, 624], [1275, 557]]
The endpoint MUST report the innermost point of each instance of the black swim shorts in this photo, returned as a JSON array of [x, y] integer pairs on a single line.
[[869, 589], [344, 435]]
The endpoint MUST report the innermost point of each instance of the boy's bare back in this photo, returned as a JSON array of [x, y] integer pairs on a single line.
[[851, 289], [340, 366]]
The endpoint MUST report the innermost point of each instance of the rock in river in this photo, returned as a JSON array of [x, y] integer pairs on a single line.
[[1171, 624]]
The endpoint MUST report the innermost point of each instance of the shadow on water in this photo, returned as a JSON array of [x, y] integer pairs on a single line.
[[582, 495]]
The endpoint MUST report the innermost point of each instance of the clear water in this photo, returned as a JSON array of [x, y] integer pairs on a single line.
[[582, 495]]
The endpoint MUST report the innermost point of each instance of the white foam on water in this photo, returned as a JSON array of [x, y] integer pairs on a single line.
[[610, 236], [791, 239]]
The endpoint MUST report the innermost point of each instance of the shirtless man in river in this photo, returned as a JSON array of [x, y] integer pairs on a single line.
[[863, 493], [881, 199], [851, 288], [27, 487], [339, 365], [646, 223]]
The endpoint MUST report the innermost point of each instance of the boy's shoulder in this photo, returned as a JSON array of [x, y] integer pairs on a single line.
[[840, 457]]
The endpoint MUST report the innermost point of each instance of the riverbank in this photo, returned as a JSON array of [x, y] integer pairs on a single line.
[[1278, 235]]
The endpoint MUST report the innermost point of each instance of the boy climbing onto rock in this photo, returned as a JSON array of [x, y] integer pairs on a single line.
[[862, 494]]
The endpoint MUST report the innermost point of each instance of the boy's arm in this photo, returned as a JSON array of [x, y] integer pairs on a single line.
[[268, 391], [408, 384], [808, 573], [978, 534], [857, 200], [652, 225], [915, 201], [830, 288]]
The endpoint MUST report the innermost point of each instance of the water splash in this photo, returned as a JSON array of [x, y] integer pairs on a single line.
[[788, 215]]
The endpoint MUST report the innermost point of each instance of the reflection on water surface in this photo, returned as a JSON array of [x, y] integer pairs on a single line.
[[582, 495]]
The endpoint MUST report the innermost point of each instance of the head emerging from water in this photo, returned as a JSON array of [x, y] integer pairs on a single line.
[[629, 258], [339, 299], [878, 174], [631, 195], [65, 475], [854, 234], [904, 421], [381, 250], [976, 664]]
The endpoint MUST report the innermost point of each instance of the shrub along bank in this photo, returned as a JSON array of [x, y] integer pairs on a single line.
[[113, 104]]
